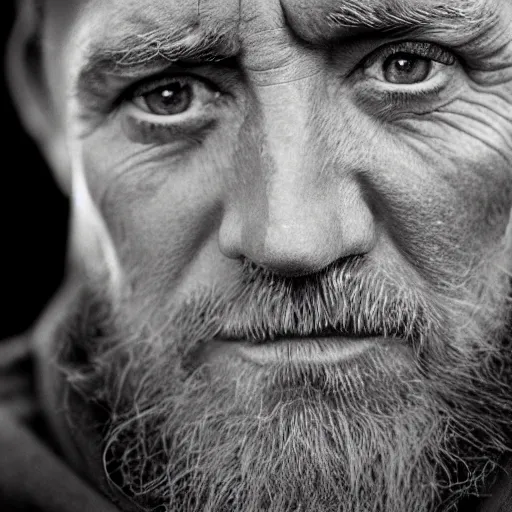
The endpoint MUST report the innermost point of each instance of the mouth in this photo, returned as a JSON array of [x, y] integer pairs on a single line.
[[300, 350], [326, 347], [329, 345]]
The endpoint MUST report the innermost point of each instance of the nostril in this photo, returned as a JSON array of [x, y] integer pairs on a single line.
[[254, 269], [291, 270]]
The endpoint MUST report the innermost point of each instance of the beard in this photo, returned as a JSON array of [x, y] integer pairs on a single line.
[[416, 422]]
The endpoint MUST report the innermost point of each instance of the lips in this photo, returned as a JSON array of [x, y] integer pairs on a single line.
[[327, 346], [305, 350]]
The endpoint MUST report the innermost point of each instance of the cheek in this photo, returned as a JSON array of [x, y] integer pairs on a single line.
[[447, 210], [159, 209]]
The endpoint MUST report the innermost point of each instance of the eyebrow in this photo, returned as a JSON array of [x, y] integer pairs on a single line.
[[146, 52], [400, 15]]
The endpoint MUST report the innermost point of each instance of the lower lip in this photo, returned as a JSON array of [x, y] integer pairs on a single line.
[[300, 350]]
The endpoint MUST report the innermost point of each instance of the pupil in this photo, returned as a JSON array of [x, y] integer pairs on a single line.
[[170, 95], [171, 99], [404, 65]]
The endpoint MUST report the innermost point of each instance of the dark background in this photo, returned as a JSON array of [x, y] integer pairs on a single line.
[[33, 218]]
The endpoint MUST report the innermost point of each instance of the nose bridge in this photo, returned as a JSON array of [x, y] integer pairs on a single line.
[[286, 192], [286, 173], [284, 127]]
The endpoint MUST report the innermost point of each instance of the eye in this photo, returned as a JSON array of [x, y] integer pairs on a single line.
[[174, 96], [167, 100], [407, 63]]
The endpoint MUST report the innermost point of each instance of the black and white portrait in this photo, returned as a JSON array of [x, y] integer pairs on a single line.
[[286, 285]]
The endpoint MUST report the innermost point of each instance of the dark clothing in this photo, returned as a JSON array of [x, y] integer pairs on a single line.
[[33, 478]]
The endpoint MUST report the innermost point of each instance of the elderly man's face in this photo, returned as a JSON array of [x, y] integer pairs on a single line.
[[300, 211]]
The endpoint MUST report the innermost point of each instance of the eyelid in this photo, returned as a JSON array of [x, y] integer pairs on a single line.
[[149, 85], [422, 49]]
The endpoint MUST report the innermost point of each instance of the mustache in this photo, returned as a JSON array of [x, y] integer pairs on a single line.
[[345, 299], [349, 299]]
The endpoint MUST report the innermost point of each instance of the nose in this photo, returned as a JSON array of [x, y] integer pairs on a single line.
[[298, 205], [299, 232]]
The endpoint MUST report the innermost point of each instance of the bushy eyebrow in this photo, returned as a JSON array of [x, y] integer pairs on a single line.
[[139, 49], [401, 15]]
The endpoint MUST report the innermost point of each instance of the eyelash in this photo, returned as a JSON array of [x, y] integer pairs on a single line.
[[420, 49]]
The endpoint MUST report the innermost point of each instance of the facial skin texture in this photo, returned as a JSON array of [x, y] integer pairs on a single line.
[[302, 194]]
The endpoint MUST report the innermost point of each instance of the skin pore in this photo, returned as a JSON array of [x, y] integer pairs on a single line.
[[257, 173]]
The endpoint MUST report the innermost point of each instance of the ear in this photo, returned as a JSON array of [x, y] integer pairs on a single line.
[[29, 91]]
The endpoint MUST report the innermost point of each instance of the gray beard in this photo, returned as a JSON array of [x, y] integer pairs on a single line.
[[414, 427]]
